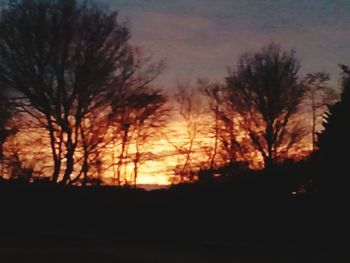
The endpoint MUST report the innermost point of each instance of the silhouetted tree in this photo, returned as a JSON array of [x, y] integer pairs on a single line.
[[213, 92], [264, 90], [63, 59], [150, 116], [228, 146], [318, 96], [93, 140], [135, 120], [334, 142], [124, 120], [136, 112], [6, 113], [190, 110]]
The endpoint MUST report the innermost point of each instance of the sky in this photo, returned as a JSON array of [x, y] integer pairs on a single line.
[[201, 38]]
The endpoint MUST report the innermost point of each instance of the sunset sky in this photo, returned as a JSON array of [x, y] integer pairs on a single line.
[[200, 38]]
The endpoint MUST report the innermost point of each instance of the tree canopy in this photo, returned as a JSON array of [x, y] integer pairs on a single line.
[[264, 89], [62, 60], [334, 141]]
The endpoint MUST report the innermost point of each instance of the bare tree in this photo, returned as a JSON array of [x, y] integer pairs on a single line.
[[62, 59], [150, 116], [212, 92], [265, 91], [318, 97], [93, 141], [190, 111], [135, 123], [229, 144], [137, 103], [122, 118]]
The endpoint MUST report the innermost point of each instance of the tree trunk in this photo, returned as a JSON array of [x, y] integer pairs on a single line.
[[313, 125], [216, 137], [69, 159], [69, 166], [136, 166], [135, 172], [187, 161], [55, 156], [56, 169], [270, 141], [85, 170], [121, 155]]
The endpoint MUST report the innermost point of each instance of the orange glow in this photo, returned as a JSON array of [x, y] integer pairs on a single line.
[[32, 147]]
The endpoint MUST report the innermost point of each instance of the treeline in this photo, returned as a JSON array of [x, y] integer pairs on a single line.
[[71, 79]]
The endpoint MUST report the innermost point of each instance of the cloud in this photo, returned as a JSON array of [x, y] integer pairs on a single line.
[[202, 37]]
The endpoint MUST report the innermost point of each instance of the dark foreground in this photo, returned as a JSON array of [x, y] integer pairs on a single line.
[[203, 223], [170, 255]]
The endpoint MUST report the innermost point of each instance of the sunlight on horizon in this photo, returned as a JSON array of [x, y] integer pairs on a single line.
[[157, 168]]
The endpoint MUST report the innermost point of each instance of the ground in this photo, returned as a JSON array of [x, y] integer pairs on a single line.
[[152, 254]]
